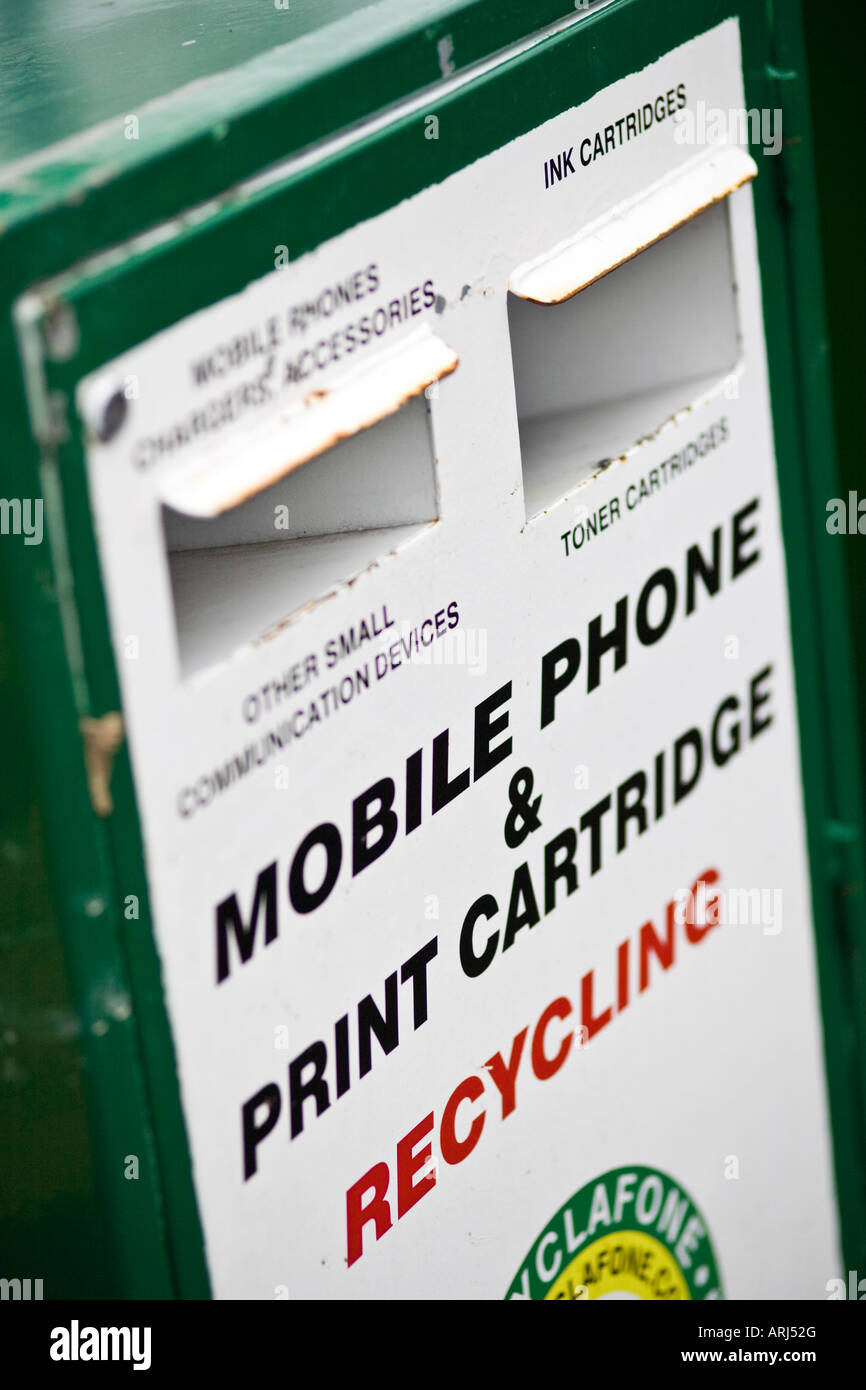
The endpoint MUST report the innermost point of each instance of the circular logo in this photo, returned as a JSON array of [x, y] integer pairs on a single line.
[[631, 1233]]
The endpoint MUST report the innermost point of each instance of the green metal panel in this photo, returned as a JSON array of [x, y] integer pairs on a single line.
[[822, 639], [834, 113], [58, 222], [50, 1204], [70, 64]]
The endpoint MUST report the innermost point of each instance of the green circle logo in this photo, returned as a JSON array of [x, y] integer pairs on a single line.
[[632, 1233]]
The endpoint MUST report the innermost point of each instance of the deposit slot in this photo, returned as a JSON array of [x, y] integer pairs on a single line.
[[245, 553], [605, 353]]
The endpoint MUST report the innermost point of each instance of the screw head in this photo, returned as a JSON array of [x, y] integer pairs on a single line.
[[105, 410], [113, 416]]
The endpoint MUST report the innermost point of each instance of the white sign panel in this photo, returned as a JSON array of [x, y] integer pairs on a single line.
[[445, 574]]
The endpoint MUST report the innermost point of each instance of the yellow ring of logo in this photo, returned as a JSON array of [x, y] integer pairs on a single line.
[[623, 1264]]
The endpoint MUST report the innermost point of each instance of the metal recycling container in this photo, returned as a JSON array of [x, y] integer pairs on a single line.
[[432, 836]]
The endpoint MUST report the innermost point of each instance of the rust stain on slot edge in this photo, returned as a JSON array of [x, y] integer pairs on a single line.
[[281, 624], [315, 398], [551, 301]]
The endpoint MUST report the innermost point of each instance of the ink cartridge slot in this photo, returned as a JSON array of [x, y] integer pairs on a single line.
[[617, 331]]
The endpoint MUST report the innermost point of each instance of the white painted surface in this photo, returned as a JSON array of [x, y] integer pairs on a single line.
[[633, 225], [721, 1055]]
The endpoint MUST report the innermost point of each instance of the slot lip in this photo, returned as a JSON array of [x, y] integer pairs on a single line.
[[677, 418], [626, 230], [224, 477]]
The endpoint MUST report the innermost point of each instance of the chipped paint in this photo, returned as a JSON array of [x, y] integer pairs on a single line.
[[101, 737], [60, 327], [630, 229], [281, 624], [445, 52]]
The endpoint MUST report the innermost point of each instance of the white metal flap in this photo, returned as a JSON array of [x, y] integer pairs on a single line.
[[632, 227], [223, 478]]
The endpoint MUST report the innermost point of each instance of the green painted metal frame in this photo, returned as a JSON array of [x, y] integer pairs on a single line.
[[55, 238]]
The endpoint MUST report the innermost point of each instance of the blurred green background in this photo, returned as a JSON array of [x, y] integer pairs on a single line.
[[838, 134]]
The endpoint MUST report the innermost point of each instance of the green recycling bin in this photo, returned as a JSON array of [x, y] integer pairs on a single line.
[[432, 833]]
